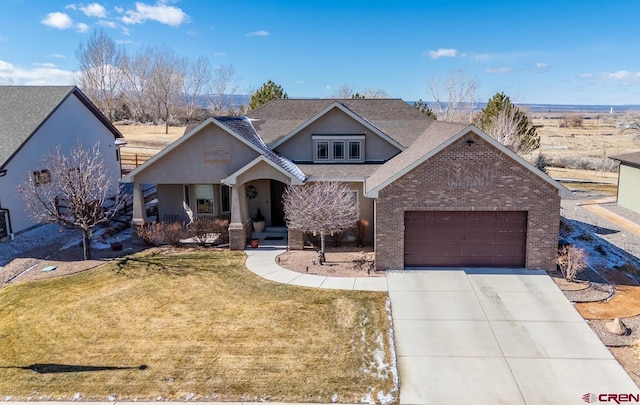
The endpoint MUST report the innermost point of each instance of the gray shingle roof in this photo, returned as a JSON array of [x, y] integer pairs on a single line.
[[23, 109], [394, 117], [343, 172], [244, 128], [632, 159]]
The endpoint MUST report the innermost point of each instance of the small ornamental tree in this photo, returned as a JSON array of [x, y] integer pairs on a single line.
[[71, 192], [322, 207]]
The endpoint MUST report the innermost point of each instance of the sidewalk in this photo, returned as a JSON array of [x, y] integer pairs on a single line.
[[262, 262]]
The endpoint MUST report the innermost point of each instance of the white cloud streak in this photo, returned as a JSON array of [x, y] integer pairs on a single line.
[[161, 13], [260, 33], [42, 74], [443, 53], [499, 71], [94, 10]]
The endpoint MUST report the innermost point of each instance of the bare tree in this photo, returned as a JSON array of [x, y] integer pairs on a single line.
[[72, 192], [196, 81], [223, 86], [167, 78], [322, 207], [137, 72], [345, 92], [454, 96], [101, 61]]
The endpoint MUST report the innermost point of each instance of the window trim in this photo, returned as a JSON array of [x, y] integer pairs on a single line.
[[331, 141], [213, 202]]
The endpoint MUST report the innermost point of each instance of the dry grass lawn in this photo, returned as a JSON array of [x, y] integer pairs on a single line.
[[191, 324]]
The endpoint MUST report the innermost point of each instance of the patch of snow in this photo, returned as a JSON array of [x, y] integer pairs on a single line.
[[38, 237]]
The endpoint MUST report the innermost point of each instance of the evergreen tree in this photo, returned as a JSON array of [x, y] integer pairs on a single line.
[[266, 93], [508, 124], [423, 108]]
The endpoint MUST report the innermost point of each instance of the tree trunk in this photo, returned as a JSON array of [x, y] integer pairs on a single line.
[[86, 244], [321, 254]]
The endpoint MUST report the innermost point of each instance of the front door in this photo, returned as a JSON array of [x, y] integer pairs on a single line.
[[277, 207]]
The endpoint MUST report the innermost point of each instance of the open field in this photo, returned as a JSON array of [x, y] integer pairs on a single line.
[[190, 324]]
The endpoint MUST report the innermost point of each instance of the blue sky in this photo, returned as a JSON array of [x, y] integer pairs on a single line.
[[552, 52]]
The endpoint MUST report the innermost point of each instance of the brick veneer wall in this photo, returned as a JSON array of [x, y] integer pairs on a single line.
[[296, 239], [469, 177]]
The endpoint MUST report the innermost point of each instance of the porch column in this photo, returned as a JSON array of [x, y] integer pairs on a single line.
[[237, 231], [139, 214]]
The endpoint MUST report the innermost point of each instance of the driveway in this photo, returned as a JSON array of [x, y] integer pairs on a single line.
[[495, 336]]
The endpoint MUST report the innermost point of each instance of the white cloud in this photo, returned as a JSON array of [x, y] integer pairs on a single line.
[[260, 33], [57, 55], [620, 74], [540, 65], [219, 54], [94, 10], [107, 23], [57, 20], [585, 75], [443, 53], [82, 27], [499, 71], [481, 57], [45, 65], [161, 13], [327, 87], [46, 74]]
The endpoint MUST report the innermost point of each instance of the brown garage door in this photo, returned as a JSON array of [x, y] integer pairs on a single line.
[[465, 238]]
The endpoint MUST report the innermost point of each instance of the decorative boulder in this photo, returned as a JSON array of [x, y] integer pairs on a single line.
[[617, 327]]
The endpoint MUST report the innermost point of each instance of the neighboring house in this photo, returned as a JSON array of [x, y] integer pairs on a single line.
[[435, 193], [629, 181], [34, 120]]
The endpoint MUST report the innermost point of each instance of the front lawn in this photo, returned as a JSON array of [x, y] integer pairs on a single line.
[[176, 324]]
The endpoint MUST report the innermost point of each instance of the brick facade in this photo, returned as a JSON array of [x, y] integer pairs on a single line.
[[469, 176], [296, 239]]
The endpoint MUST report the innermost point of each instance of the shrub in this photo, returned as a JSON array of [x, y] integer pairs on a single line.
[[361, 231], [208, 230], [565, 227], [630, 269], [571, 261], [336, 238], [161, 233], [542, 163]]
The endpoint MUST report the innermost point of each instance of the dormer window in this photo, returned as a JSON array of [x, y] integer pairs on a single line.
[[338, 148]]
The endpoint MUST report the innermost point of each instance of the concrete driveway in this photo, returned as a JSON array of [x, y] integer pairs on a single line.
[[495, 337]]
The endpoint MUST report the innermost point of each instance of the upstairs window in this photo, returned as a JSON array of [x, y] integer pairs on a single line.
[[338, 148]]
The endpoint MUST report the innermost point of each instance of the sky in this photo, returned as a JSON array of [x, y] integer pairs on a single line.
[[536, 52]]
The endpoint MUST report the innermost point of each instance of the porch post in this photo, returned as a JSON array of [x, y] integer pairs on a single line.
[[139, 214], [237, 232]]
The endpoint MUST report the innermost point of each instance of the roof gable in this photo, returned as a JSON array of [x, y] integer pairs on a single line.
[[435, 139], [393, 117], [347, 111], [24, 109], [630, 159], [238, 127]]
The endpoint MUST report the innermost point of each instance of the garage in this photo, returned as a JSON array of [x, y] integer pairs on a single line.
[[465, 238]]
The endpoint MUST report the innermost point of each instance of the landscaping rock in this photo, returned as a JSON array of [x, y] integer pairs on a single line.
[[617, 327]]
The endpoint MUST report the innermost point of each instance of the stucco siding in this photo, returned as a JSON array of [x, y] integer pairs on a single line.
[[204, 159], [70, 123], [469, 177], [299, 147], [629, 187]]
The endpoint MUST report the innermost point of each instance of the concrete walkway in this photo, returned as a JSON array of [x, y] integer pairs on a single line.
[[481, 336], [262, 261]]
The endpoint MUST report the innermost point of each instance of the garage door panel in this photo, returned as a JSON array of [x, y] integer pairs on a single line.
[[465, 238]]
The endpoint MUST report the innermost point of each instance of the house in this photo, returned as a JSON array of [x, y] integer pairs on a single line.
[[435, 193], [34, 120], [629, 180]]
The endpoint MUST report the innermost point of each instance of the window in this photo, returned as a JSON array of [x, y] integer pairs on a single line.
[[338, 148], [322, 150], [42, 177], [204, 198], [354, 150], [225, 198], [187, 195]]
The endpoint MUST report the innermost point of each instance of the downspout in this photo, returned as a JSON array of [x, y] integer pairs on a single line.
[[3, 173]]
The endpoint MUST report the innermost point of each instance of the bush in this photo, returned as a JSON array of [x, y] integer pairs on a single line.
[[571, 261], [336, 238], [161, 233], [541, 163], [566, 228], [208, 230]]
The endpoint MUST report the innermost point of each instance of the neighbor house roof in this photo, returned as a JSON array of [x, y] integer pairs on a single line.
[[23, 109], [436, 138], [631, 159], [393, 117]]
